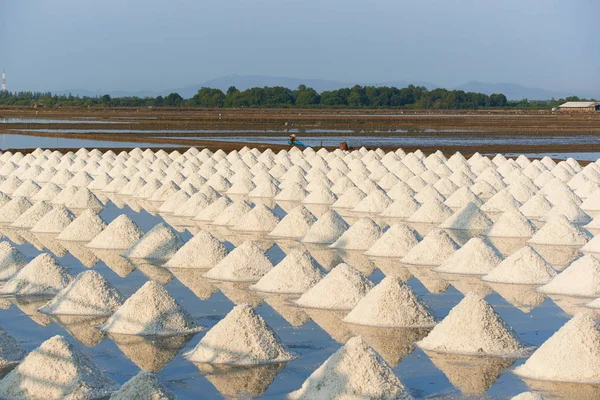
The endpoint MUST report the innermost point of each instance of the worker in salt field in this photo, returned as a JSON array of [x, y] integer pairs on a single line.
[[294, 142]]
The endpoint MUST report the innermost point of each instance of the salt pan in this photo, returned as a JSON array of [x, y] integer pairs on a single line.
[[11, 351]]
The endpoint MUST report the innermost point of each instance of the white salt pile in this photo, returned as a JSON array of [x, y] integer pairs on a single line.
[[581, 278], [48, 192], [27, 189], [390, 304], [213, 210], [246, 263], [593, 246], [524, 267], [84, 228], [56, 370], [527, 396], [259, 219], [11, 351], [13, 209], [340, 289], [160, 243], [88, 294], [42, 276], [560, 232], [432, 212], [32, 216], [511, 224], [11, 261], [203, 251], [143, 386], [475, 257], [350, 198], [569, 210], [241, 338], [84, 199], [295, 224], [403, 207], [536, 207], [192, 207], [120, 234], [151, 311], [470, 217], [296, 273], [65, 195], [462, 197], [360, 236], [293, 192], [55, 221], [501, 202], [328, 228], [434, 249], [321, 195], [375, 202], [572, 354], [395, 242], [233, 213], [352, 372], [473, 327]]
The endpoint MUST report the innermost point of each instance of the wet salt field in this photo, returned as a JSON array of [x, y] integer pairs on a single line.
[[315, 334], [27, 142]]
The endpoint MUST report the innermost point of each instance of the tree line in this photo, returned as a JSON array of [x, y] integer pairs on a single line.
[[367, 97]]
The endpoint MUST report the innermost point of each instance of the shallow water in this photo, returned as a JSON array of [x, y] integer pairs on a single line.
[[313, 335], [54, 121], [28, 142]]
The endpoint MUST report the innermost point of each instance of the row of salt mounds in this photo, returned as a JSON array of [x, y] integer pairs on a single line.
[[203, 251], [390, 304], [340, 289], [476, 257], [84, 228], [120, 234], [511, 224], [295, 224], [150, 311], [160, 243], [41, 276], [259, 219], [11, 261], [242, 338], [88, 294], [559, 231], [32, 216], [11, 351], [353, 371], [360, 236], [434, 249], [473, 327], [395, 242], [327, 229], [56, 370], [469, 217], [144, 385], [55, 221], [246, 263], [523, 267], [296, 273]]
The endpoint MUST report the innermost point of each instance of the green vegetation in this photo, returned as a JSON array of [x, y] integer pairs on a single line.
[[367, 97]]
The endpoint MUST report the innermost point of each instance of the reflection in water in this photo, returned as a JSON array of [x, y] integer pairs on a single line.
[[392, 267], [82, 328], [358, 260], [331, 322], [239, 293], [431, 280], [558, 256], [240, 382], [468, 283], [564, 390], [29, 306], [507, 246], [523, 297], [150, 354], [326, 257], [470, 374], [295, 316], [13, 235], [572, 305], [193, 280], [49, 242], [79, 251], [154, 272], [32, 239], [113, 260]]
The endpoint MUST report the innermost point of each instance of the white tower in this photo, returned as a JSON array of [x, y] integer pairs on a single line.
[[4, 80]]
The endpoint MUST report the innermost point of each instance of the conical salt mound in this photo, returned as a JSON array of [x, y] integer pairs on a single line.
[[241, 338], [295, 224], [572, 354], [527, 396], [475, 257], [434, 249], [375, 202], [246, 263], [42, 276], [473, 327], [581, 278], [470, 217], [88, 294], [395, 242], [160, 243], [84, 228], [296, 273], [143, 386], [233, 213], [48, 192], [151, 311], [203, 251], [120, 234], [32, 216], [340, 289], [355, 371], [404, 206], [360, 236], [511, 224], [524, 267], [11, 261], [350, 198], [13, 209], [55, 221], [259, 219], [432, 212], [11, 351], [328, 228], [56, 370], [84, 198], [390, 304], [559, 231]]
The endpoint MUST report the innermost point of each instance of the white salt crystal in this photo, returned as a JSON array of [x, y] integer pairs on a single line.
[[11, 351], [159, 243], [501, 202], [293, 192], [536, 207], [47, 193], [473, 327], [559, 231], [434, 249], [511, 224], [246, 263], [469, 217], [350, 198], [340, 289], [192, 207], [360, 236], [462, 197], [433, 212], [241, 338], [593, 246], [121, 233], [395, 242], [13, 209], [259, 219], [475, 257], [213, 210], [321, 195], [569, 210], [527, 396], [41, 276], [11, 261], [403, 207], [295, 224], [65, 195], [375, 202], [203, 251], [151, 311], [581, 278], [84, 228], [233, 213], [144, 385], [174, 201], [390, 304], [32, 216], [54, 221], [88, 294], [523, 267], [27, 189], [85, 199]]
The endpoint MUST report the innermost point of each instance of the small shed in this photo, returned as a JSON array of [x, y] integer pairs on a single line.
[[580, 106]]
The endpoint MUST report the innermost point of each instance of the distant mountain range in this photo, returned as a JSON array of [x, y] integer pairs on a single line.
[[512, 91]]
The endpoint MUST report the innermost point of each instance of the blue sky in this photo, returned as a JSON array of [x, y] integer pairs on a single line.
[[156, 45]]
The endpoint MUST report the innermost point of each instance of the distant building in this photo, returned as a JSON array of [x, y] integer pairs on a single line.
[[580, 106]]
